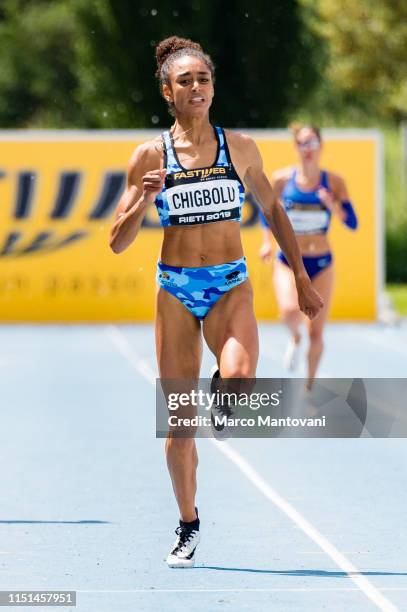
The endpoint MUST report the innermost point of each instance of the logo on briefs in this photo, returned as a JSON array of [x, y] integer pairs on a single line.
[[232, 277], [166, 279]]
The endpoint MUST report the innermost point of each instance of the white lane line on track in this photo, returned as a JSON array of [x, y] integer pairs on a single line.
[[275, 590], [321, 552], [121, 343], [341, 561]]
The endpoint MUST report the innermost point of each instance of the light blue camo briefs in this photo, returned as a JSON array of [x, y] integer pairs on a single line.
[[200, 288]]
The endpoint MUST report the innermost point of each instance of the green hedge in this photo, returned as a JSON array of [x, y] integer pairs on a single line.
[[395, 209], [396, 254], [398, 294]]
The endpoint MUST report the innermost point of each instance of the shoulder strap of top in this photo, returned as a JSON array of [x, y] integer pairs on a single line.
[[171, 162], [290, 185], [324, 179], [164, 147], [223, 154], [291, 179]]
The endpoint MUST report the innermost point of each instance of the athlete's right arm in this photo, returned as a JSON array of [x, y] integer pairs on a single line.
[[145, 179]]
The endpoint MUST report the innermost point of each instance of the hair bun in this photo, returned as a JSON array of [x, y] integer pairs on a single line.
[[169, 45]]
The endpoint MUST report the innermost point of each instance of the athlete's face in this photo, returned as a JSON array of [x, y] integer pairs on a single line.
[[191, 88], [308, 145]]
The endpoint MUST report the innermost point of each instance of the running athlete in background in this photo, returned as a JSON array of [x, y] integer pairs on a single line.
[[311, 196], [194, 174]]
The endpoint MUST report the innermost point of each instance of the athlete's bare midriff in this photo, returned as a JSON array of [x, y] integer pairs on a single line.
[[202, 245], [314, 244]]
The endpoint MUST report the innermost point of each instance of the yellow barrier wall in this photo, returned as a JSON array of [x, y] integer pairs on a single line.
[[57, 196]]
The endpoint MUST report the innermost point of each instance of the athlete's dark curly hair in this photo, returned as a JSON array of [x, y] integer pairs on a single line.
[[173, 48]]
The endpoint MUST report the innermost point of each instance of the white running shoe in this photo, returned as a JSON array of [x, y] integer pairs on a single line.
[[183, 551], [291, 355]]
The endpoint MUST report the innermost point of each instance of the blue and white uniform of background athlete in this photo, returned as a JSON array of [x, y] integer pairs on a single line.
[[308, 215], [194, 197]]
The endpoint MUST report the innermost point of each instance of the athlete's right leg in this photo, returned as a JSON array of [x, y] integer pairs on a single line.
[[179, 353], [290, 313], [287, 298], [323, 282]]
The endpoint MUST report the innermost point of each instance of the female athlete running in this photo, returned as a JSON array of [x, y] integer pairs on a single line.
[[311, 196], [194, 173]]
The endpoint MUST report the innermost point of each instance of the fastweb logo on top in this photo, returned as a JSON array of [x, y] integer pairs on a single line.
[[199, 172]]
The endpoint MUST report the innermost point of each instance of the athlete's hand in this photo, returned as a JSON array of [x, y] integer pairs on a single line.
[[327, 198], [153, 183], [309, 300], [266, 252]]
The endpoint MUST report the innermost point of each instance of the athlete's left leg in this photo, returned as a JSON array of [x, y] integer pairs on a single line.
[[323, 283], [230, 331]]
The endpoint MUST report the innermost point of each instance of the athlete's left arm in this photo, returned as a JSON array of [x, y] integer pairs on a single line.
[[338, 202], [309, 300], [276, 217]]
